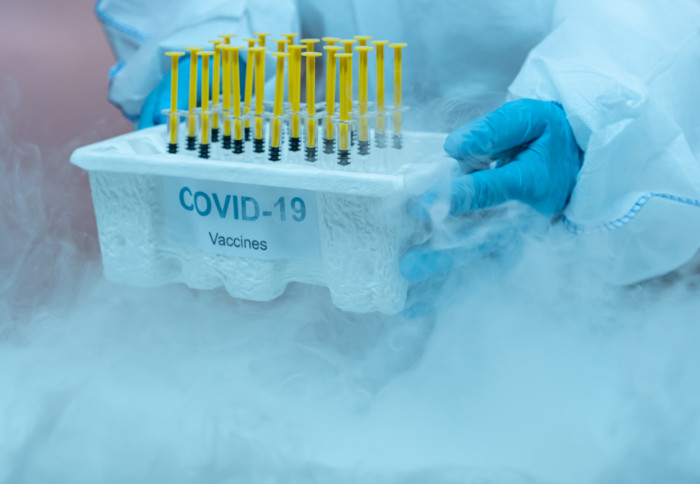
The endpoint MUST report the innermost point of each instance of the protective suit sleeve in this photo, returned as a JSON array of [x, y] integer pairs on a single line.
[[626, 74], [141, 32]]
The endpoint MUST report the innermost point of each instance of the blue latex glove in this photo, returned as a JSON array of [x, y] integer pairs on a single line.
[[538, 156], [537, 163]]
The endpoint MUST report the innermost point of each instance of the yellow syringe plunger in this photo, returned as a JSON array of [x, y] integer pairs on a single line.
[[295, 94], [329, 133], [397, 73], [362, 39], [261, 38], [309, 44], [173, 118], [396, 140], [226, 37], [276, 131], [215, 89], [345, 107], [295, 75], [232, 95], [259, 60], [311, 81], [362, 99], [380, 134], [234, 73], [248, 92], [289, 37], [347, 45], [225, 52], [311, 104], [259, 53], [279, 82], [379, 44], [192, 101], [330, 40], [204, 137], [362, 78], [281, 44], [236, 99]]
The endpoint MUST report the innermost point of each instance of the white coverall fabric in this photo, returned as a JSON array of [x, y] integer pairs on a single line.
[[625, 73]]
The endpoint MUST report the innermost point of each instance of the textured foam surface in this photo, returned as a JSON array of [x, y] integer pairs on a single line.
[[363, 226]]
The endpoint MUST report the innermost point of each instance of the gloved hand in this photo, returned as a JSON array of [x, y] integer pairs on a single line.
[[537, 161]]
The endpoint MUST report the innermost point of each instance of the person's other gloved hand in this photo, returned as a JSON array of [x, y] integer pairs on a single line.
[[537, 164], [537, 154]]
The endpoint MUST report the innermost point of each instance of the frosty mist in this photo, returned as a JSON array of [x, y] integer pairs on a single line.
[[533, 370]]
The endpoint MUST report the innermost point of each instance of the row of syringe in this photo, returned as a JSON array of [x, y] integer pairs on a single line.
[[351, 121]]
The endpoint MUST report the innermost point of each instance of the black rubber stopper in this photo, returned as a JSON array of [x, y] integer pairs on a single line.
[[363, 148], [328, 145], [246, 133], [259, 145], [294, 144], [311, 154], [397, 141], [204, 150], [380, 140], [215, 135], [226, 142], [352, 137], [238, 146], [191, 143], [274, 153], [172, 147], [344, 157]]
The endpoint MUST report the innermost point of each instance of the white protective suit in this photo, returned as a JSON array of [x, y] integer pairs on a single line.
[[625, 71]]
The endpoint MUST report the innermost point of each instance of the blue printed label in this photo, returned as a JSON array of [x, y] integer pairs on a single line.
[[242, 220]]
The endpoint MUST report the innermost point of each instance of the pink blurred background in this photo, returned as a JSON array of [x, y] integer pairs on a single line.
[[54, 65], [57, 54]]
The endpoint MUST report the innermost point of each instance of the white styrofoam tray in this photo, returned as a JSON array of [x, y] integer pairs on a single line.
[[363, 228]]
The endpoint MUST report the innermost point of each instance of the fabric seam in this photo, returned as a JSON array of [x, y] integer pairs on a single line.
[[629, 216]]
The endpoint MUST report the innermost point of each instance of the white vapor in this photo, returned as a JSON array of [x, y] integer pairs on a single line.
[[532, 370]]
